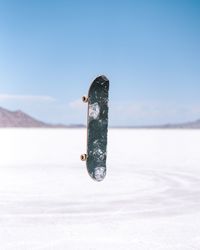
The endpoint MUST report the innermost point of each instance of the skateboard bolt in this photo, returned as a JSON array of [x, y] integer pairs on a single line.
[[85, 99], [83, 157]]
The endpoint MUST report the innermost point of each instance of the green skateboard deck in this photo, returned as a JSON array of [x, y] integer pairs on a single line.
[[97, 127]]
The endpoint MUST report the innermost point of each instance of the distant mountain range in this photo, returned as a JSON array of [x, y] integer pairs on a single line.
[[19, 119], [189, 125], [186, 125]]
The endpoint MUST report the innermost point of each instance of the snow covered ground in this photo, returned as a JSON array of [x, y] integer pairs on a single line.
[[150, 198]]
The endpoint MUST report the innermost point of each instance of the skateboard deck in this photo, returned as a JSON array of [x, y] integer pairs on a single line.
[[97, 127]]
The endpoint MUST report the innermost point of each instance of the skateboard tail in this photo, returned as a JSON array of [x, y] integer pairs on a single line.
[[98, 174]]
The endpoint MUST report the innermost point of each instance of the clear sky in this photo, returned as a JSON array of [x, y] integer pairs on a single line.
[[50, 51]]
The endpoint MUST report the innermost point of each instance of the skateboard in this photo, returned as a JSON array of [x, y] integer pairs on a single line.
[[97, 127]]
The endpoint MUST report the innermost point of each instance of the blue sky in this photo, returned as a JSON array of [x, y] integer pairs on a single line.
[[50, 51]]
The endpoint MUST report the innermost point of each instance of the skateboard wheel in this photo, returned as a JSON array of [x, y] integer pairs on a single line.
[[85, 99], [83, 157]]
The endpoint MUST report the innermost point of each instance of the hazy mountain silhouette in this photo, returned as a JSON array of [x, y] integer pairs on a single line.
[[186, 125], [9, 119], [194, 124]]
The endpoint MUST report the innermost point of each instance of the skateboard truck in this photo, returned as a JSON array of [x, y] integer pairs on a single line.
[[84, 156]]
